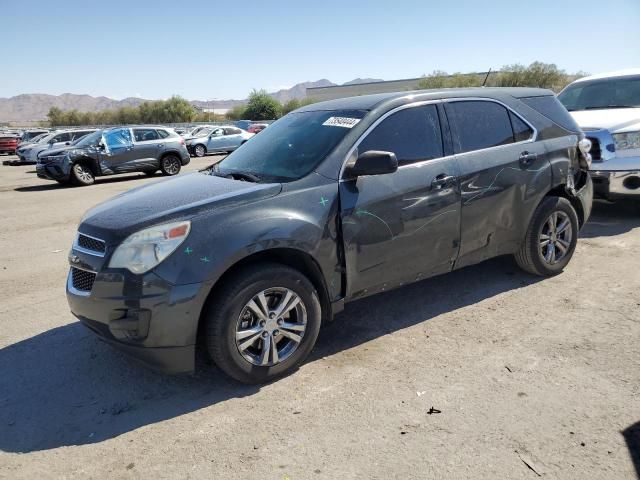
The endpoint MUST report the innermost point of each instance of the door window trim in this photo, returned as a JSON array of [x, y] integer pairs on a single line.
[[441, 101], [531, 139]]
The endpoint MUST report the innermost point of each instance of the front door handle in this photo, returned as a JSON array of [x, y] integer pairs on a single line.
[[443, 180], [527, 158]]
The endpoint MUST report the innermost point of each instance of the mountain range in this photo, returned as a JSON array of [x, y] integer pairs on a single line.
[[35, 106]]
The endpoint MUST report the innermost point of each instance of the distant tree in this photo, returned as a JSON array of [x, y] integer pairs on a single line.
[[236, 113], [261, 106], [440, 79], [55, 116], [538, 74]]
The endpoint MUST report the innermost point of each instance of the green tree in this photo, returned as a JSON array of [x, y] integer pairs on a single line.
[[538, 74], [236, 113], [54, 116], [261, 106]]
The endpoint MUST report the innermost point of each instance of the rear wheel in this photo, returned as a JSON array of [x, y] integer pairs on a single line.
[[199, 150], [82, 175], [551, 238], [170, 165], [263, 323]]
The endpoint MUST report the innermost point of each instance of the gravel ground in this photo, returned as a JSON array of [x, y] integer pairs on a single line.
[[483, 373]]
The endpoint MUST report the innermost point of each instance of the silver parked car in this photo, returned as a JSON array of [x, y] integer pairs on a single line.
[[217, 139], [29, 153]]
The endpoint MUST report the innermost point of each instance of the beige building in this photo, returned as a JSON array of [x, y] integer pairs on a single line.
[[342, 91]]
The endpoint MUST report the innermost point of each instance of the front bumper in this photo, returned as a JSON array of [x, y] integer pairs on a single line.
[[142, 315], [52, 171], [617, 178]]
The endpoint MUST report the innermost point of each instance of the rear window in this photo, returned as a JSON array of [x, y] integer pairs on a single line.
[[550, 107]]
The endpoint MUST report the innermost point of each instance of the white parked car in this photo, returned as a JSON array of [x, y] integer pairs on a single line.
[[607, 108], [29, 153]]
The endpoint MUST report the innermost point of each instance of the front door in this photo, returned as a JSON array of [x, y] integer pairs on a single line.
[[218, 141], [404, 226], [118, 154]]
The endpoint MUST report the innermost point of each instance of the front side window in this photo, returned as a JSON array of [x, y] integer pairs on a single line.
[[479, 124], [118, 139], [218, 132], [413, 134], [62, 137], [145, 134]]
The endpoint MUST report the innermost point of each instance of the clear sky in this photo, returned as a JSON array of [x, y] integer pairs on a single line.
[[217, 50]]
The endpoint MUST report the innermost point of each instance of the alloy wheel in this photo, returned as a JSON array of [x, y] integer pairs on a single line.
[[555, 237], [83, 173], [171, 165], [271, 326], [199, 151]]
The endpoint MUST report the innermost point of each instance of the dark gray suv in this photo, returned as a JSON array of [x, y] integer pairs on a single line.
[[115, 150], [333, 202]]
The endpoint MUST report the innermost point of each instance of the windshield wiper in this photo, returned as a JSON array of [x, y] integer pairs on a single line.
[[242, 176]]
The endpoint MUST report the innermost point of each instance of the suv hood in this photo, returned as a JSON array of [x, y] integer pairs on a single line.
[[168, 200], [616, 120]]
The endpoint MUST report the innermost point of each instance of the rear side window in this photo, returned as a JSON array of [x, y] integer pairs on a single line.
[[145, 134], [550, 107], [63, 137], [479, 124], [521, 131], [162, 133], [413, 134]]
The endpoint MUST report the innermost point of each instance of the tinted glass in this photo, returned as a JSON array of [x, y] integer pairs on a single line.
[[413, 134], [91, 139], [145, 134], [292, 146], [117, 139], [551, 108], [163, 133], [79, 134], [477, 125], [521, 131], [603, 93], [62, 137]]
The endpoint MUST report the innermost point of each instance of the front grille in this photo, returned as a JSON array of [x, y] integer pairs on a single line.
[[596, 151], [90, 243], [82, 280]]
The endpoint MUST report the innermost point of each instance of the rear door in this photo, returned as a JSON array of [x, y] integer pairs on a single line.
[[403, 226], [233, 138], [148, 148], [504, 172]]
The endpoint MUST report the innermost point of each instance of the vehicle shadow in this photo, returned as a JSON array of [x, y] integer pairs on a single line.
[[632, 437], [65, 387], [609, 219], [99, 181]]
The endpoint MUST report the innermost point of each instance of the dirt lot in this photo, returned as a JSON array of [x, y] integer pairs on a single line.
[[527, 377]]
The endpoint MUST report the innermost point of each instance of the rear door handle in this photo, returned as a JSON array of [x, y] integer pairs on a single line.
[[527, 158], [442, 180]]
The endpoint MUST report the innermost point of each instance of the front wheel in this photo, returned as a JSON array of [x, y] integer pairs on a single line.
[[551, 238], [199, 150], [170, 165], [263, 323], [82, 175]]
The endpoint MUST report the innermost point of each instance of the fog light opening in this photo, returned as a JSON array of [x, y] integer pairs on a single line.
[[632, 183]]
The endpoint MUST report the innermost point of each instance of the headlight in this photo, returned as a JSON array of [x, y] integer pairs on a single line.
[[626, 141], [143, 250]]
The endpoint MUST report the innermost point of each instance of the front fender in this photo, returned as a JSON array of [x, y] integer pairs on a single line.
[[292, 220]]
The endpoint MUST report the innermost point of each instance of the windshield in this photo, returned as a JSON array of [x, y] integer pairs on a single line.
[[293, 146], [88, 140], [202, 133], [38, 137], [47, 138], [622, 92]]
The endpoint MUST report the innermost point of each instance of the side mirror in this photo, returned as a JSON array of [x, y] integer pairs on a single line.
[[373, 162], [101, 146]]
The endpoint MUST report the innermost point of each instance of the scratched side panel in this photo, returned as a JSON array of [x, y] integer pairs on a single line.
[[499, 195], [397, 228]]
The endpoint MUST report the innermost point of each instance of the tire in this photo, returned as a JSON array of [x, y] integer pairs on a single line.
[[199, 150], [546, 250], [229, 316], [170, 165], [82, 175]]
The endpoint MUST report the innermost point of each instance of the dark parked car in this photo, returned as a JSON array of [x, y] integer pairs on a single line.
[[333, 202], [30, 135], [115, 150]]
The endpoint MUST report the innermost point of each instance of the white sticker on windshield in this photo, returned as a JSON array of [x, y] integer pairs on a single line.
[[345, 122]]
